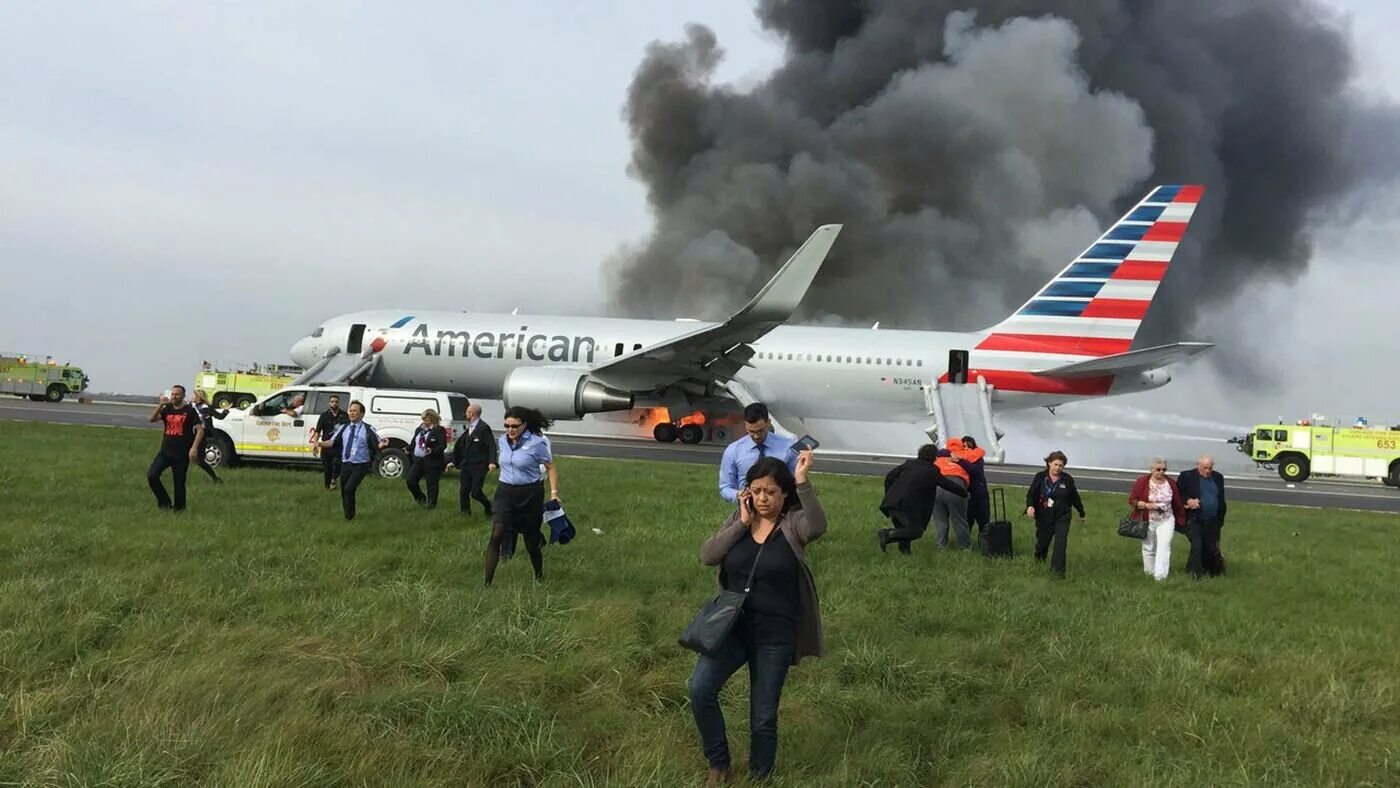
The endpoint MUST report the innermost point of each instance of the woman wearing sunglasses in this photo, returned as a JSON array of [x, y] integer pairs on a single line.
[[524, 461], [1156, 499]]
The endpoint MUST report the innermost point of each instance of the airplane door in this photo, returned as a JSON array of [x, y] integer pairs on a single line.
[[957, 366], [355, 343]]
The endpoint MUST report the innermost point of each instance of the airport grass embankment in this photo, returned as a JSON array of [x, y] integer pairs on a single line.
[[259, 640]]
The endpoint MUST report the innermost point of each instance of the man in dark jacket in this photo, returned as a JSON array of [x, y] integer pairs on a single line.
[[909, 497], [1204, 491], [475, 454]]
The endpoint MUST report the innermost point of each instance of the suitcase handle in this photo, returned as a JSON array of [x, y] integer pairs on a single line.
[[999, 505]]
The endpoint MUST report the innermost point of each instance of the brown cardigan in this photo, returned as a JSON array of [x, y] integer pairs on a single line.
[[800, 526]]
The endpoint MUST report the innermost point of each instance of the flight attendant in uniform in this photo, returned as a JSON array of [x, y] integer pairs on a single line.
[[207, 414], [429, 442], [475, 453], [525, 459]]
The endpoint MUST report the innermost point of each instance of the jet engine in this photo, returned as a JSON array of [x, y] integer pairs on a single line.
[[562, 393]]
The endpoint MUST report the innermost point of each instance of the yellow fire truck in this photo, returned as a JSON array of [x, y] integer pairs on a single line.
[[1311, 448], [24, 376], [242, 385]]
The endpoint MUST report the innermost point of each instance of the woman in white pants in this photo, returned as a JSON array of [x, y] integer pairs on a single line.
[[1156, 499]]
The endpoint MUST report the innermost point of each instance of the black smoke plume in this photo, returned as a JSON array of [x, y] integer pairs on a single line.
[[970, 155]]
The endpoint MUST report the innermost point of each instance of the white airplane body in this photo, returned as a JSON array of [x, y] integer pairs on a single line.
[[1072, 341]]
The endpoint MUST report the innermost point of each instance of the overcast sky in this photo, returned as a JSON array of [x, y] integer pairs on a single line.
[[189, 181]]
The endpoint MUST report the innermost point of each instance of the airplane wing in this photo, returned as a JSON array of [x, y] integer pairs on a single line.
[[1132, 361], [716, 353]]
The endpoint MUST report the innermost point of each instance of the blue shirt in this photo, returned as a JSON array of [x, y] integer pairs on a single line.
[[355, 446], [740, 456], [521, 463], [1210, 498]]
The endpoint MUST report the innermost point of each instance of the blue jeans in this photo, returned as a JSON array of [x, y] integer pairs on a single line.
[[768, 667]]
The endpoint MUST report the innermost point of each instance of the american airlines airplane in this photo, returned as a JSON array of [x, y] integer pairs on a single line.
[[1071, 341]]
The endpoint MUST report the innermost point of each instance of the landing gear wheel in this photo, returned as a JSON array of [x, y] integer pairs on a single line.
[[54, 393], [1294, 469], [692, 433], [665, 432], [243, 401]]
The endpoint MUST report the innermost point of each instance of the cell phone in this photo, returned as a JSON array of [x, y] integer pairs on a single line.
[[804, 443]]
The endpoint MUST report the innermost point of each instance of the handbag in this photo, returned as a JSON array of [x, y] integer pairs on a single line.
[[708, 630], [1133, 528]]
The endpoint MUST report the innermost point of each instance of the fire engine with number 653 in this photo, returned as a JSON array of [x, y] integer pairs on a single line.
[[1313, 448]]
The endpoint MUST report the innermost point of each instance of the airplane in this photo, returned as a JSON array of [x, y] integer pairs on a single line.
[[1071, 341]]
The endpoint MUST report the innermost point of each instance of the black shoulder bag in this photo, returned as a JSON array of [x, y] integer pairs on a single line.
[[708, 630]]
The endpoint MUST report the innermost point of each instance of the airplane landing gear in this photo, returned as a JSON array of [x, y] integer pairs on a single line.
[[665, 432]]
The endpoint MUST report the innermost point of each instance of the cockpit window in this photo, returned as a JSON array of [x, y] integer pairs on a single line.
[[318, 332]]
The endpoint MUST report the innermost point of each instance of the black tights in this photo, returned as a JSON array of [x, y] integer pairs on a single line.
[[533, 542]]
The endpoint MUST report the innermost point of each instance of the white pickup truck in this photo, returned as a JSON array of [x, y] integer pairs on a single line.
[[266, 432]]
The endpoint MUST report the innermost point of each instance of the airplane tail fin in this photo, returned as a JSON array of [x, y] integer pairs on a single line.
[[1094, 307]]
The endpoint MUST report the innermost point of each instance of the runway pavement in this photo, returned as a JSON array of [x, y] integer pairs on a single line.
[[1256, 489]]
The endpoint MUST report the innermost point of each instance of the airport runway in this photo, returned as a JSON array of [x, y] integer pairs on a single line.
[[1255, 489]]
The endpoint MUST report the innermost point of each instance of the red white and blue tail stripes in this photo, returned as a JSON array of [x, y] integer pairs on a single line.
[[1096, 304]]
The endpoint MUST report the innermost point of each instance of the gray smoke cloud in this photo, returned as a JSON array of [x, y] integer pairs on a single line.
[[970, 156]]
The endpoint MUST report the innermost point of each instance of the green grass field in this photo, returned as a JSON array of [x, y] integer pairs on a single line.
[[259, 640]]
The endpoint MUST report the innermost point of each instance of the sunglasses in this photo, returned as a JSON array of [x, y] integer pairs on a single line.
[[513, 426]]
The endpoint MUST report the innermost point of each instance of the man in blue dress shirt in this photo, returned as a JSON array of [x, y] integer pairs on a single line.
[[356, 443], [740, 455]]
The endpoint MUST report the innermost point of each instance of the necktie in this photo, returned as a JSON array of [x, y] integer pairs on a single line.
[[761, 448], [349, 442]]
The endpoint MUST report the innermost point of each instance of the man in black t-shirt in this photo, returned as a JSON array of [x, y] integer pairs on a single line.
[[325, 427], [184, 434]]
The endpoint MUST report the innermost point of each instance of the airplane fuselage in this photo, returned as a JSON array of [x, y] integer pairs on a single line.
[[809, 371]]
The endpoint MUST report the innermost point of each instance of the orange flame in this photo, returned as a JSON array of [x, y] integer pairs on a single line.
[[695, 418]]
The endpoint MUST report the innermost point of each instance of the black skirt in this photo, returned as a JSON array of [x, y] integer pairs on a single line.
[[520, 507]]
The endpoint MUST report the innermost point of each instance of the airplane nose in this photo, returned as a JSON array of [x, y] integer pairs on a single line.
[[301, 352]]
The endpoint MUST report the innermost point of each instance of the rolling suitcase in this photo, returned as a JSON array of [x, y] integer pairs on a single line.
[[995, 537]]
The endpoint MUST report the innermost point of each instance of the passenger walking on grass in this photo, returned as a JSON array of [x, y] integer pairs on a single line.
[[326, 425], [429, 444], [950, 508], [357, 444], [777, 517], [760, 442], [207, 414], [909, 495], [525, 459], [1204, 491], [475, 453], [1051, 495], [1156, 499], [181, 444]]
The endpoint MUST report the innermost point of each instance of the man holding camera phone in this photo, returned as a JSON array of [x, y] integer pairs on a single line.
[[184, 434], [760, 442]]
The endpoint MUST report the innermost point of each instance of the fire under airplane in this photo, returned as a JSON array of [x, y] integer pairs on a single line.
[[1073, 340]]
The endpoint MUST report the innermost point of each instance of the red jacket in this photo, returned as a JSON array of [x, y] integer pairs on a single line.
[[1139, 493]]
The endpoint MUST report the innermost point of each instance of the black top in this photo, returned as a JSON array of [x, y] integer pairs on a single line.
[[477, 447], [910, 488], [1057, 497], [207, 414], [329, 420], [180, 425], [770, 612]]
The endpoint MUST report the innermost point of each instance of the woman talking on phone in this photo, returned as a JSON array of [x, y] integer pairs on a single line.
[[761, 549]]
